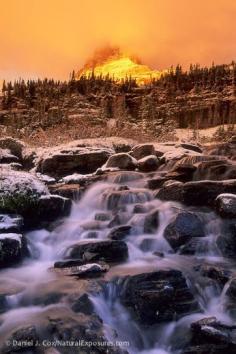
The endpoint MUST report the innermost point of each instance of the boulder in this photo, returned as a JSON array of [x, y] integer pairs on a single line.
[[215, 272], [120, 232], [140, 209], [191, 147], [13, 249], [15, 146], [158, 296], [107, 251], [24, 194], [227, 149], [114, 199], [226, 241], [143, 150], [151, 221], [84, 333], [50, 207], [83, 304], [226, 205], [211, 336], [148, 163], [68, 161], [20, 191], [156, 182], [199, 193], [25, 338], [184, 226], [217, 170], [6, 157], [122, 161], [182, 173], [70, 191], [102, 216], [89, 270]]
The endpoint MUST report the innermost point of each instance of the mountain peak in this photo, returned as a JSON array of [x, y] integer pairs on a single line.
[[118, 65]]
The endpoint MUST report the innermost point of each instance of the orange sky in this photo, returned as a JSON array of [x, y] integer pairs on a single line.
[[51, 37]]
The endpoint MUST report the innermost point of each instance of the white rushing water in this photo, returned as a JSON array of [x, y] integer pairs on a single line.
[[47, 247]]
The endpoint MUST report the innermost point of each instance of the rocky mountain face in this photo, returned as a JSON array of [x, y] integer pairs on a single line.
[[149, 109]]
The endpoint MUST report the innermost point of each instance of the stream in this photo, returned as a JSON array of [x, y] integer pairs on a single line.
[[47, 247]]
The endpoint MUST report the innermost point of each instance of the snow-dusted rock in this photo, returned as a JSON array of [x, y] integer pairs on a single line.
[[89, 270], [45, 178], [12, 249], [23, 193], [13, 145], [75, 178], [60, 163], [19, 191], [122, 160], [226, 205], [7, 157], [10, 223]]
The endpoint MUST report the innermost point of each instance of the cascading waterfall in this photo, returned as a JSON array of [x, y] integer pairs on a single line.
[[47, 247]]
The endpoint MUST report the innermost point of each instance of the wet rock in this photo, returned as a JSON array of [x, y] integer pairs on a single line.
[[227, 149], [156, 183], [68, 161], [215, 170], [212, 336], [151, 221], [91, 234], [148, 163], [182, 173], [192, 147], [158, 297], [199, 193], [92, 225], [102, 216], [216, 272], [79, 327], [147, 244], [140, 209], [83, 304], [13, 249], [230, 304], [120, 232], [89, 270], [10, 223], [194, 245], [125, 176], [45, 210], [122, 161], [142, 150], [107, 251], [21, 340], [70, 191], [59, 323], [226, 242], [118, 198], [184, 226], [226, 205], [69, 263]]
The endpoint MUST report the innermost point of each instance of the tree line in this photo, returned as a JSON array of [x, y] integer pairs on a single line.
[[175, 81]]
